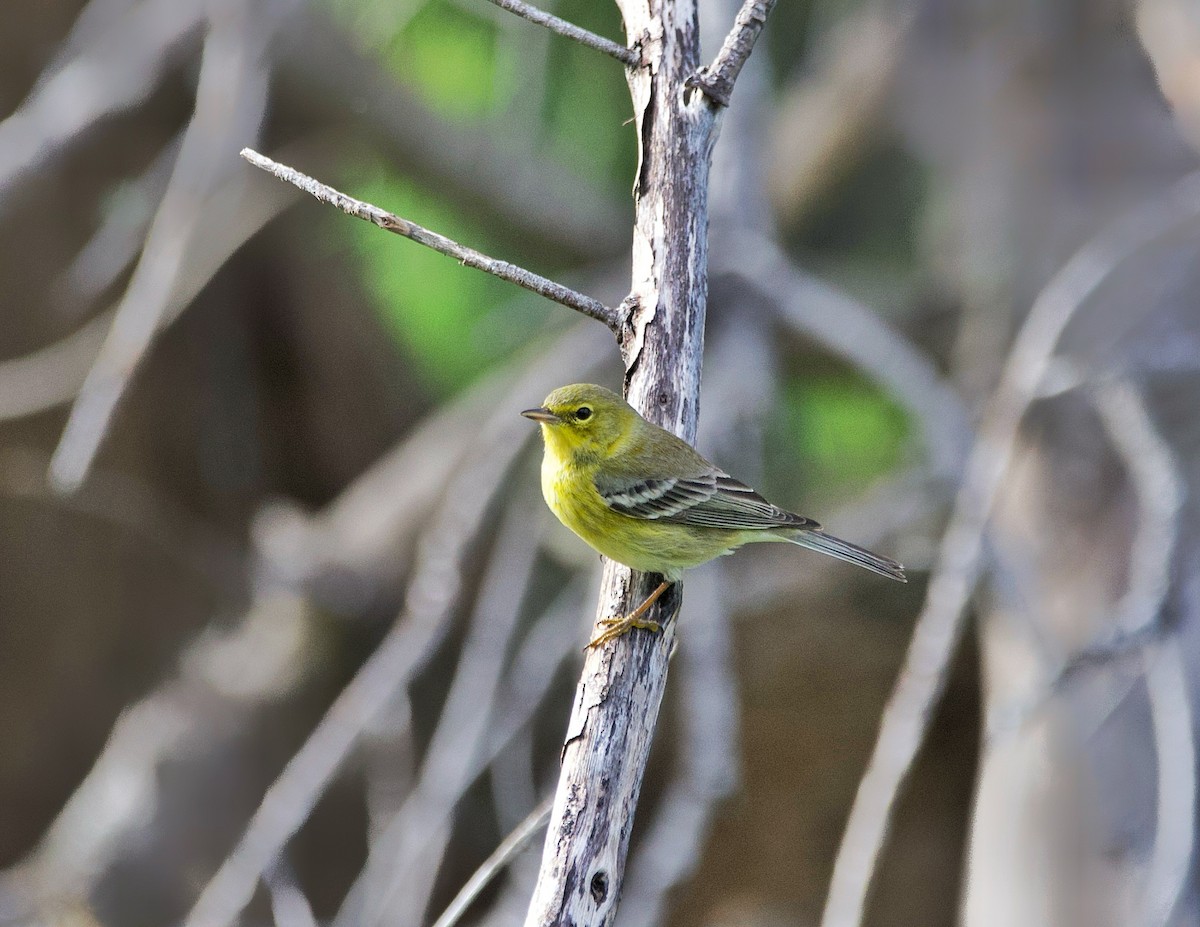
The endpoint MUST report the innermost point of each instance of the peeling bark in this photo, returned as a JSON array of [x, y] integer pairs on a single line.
[[616, 705]]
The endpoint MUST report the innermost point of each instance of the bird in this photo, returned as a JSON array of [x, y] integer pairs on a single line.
[[644, 497]]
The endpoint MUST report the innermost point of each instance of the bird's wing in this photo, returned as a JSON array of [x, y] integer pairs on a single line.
[[711, 499]]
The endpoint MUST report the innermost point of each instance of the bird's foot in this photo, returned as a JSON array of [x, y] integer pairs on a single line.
[[615, 627]]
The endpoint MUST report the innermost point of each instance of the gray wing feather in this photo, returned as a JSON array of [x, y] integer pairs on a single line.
[[653, 498], [709, 500]]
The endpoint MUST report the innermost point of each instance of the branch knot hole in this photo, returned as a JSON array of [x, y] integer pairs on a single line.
[[599, 886]]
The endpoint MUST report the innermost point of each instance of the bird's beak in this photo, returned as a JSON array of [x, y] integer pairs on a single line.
[[542, 414]]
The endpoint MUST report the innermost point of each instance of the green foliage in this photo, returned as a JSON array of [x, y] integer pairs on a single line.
[[586, 116], [587, 107], [446, 54], [837, 433], [449, 55], [569, 102], [444, 314]]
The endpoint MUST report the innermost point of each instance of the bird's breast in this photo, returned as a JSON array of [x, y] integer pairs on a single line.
[[568, 492]]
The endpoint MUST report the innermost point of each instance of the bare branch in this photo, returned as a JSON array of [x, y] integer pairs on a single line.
[[398, 876], [592, 308], [1137, 616], [627, 56], [513, 844], [939, 626], [119, 67], [716, 81], [230, 69], [825, 114], [1160, 489], [1152, 468], [119, 239], [739, 382], [53, 375], [122, 790], [671, 847], [352, 536], [502, 169], [289, 905], [622, 685], [1175, 747]]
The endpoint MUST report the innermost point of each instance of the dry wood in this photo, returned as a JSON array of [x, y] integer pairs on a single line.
[[390, 222], [618, 697], [718, 78], [627, 56]]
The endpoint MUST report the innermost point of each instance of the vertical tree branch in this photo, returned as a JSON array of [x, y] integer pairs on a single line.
[[718, 78], [617, 701]]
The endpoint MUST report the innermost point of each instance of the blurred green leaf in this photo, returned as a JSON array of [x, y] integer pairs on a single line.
[[455, 322], [449, 54], [444, 52], [837, 433], [435, 307], [587, 115]]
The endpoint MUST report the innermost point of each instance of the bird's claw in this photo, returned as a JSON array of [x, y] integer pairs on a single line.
[[615, 627]]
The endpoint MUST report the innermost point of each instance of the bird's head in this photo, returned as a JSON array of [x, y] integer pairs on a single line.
[[583, 419]]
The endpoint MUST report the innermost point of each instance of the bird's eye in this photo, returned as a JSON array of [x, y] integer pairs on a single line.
[[583, 413]]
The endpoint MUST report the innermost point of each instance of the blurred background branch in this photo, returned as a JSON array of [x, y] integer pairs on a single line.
[[301, 646]]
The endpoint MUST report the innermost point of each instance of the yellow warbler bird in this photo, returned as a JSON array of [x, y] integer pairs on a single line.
[[647, 499]]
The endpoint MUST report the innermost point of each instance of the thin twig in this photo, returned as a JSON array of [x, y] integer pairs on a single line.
[[501, 168], [716, 81], [627, 56], [592, 308], [1175, 746], [491, 867], [1152, 468], [939, 626]]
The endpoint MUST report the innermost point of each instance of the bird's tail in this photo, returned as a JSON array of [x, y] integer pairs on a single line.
[[824, 543]]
